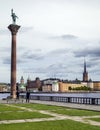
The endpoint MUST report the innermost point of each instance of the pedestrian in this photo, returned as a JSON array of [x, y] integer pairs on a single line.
[[27, 96], [17, 93]]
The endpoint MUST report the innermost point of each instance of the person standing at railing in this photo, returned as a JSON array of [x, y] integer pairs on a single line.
[[27, 96], [17, 94]]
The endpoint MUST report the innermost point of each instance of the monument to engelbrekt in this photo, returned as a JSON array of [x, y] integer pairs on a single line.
[[14, 29]]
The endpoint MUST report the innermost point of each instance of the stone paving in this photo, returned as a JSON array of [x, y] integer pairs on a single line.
[[69, 105], [82, 119]]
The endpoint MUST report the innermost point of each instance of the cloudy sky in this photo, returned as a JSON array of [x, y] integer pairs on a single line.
[[54, 38]]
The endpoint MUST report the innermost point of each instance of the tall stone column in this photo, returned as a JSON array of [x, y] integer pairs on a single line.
[[14, 29]]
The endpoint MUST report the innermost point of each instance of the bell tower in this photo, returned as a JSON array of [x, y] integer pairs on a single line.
[[85, 73]]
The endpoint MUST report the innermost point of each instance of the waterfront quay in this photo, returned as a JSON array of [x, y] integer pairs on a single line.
[[54, 103], [88, 101], [76, 98]]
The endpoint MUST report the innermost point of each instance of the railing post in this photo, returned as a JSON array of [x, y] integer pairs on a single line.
[[93, 101], [51, 98], [69, 99]]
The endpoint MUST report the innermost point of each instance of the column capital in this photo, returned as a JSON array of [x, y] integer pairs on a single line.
[[13, 28]]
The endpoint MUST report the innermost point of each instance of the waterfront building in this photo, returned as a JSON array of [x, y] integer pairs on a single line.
[[96, 85], [50, 80], [55, 86], [67, 87], [47, 88], [21, 86], [90, 84], [3, 87], [35, 85], [50, 85]]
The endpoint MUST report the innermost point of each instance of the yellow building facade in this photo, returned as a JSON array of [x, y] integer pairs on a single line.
[[65, 87], [96, 85]]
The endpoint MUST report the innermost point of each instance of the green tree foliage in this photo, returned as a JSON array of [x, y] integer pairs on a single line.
[[85, 88]]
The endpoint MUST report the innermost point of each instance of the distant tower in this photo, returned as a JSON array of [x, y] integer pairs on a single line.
[[85, 73], [22, 80], [38, 83], [28, 79], [28, 83], [22, 86]]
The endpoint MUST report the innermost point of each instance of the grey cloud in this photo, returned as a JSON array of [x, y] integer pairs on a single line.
[[65, 37], [96, 72], [90, 52], [32, 56], [8, 49], [20, 61], [4, 32], [7, 60], [39, 55], [89, 65], [60, 68], [27, 55], [96, 59], [35, 70], [62, 51], [69, 36], [5, 49], [25, 29], [57, 67], [52, 68]]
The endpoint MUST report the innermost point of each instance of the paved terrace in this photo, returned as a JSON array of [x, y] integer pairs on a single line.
[[69, 105]]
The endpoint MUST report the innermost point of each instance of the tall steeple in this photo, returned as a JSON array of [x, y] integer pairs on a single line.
[[84, 65], [85, 73]]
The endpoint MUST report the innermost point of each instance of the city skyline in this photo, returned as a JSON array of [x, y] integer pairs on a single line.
[[54, 38]]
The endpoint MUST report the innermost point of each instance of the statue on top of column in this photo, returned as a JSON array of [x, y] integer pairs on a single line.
[[13, 15]]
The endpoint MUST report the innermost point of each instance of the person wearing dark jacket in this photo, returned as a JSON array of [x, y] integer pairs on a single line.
[[27, 96], [17, 94]]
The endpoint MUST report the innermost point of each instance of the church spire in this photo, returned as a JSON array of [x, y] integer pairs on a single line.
[[84, 65], [85, 73]]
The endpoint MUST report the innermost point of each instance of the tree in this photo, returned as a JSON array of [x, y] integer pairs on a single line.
[[70, 88]]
